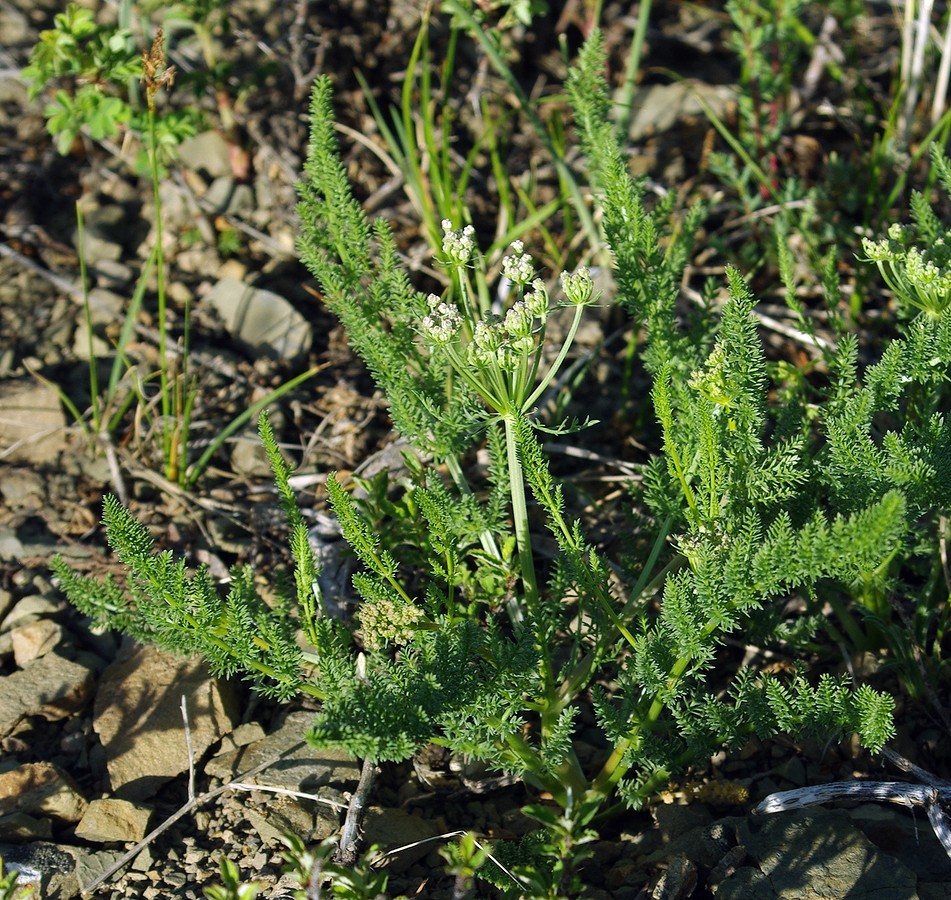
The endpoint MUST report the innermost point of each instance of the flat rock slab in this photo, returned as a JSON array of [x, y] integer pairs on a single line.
[[41, 789], [32, 423], [261, 320], [814, 854], [295, 764], [114, 820], [51, 686], [138, 717]]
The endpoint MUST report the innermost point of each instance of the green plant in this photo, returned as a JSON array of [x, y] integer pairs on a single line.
[[231, 887], [423, 136], [99, 66], [477, 643], [316, 866], [10, 887], [97, 59]]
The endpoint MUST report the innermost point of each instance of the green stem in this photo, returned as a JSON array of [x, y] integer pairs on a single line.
[[626, 103], [559, 360], [168, 433], [520, 515], [486, 538], [95, 399]]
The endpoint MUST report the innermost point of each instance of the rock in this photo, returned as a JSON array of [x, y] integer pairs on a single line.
[[227, 196], [21, 488], [904, 836], [395, 829], [309, 820], [104, 229], [674, 820], [34, 640], [6, 601], [138, 718], [32, 422], [248, 458], [15, 28], [658, 107], [111, 273], [11, 547], [208, 152], [90, 865], [811, 854], [263, 321], [232, 268], [114, 820], [31, 608], [41, 788], [678, 881], [51, 686], [19, 826], [297, 766]]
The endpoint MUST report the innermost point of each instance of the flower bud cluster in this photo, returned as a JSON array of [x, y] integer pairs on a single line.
[[518, 267], [388, 622], [458, 245], [920, 277], [922, 273], [443, 322], [578, 287], [500, 356], [507, 340]]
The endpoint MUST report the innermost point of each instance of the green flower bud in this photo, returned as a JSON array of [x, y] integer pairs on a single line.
[[579, 287]]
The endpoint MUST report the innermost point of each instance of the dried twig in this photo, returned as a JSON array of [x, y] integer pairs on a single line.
[[349, 848], [930, 794]]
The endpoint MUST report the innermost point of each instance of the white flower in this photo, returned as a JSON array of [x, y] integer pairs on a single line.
[[536, 301], [518, 321], [443, 322], [578, 287], [459, 245], [519, 268]]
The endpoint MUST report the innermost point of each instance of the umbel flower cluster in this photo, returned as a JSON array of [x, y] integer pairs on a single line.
[[915, 260], [499, 354]]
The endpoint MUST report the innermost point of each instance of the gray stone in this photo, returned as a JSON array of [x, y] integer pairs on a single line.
[[138, 718], [810, 854], [106, 307], [396, 829], [51, 686], [297, 766], [30, 609], [104, 229], [91, 864], [658, 107], [34, 640], [41, 788], [22, 488], [113, 273], [19, 826], [208, 152], [263, 321], [14, 28], [225, 195], [32, 423], [248, 458], [11, 547], [114, 820], [904, 835]]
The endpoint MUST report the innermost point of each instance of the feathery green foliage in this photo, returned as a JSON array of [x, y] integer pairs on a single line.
[[465, 634]]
